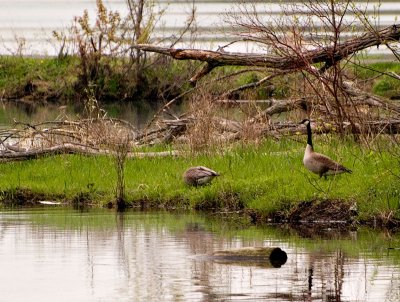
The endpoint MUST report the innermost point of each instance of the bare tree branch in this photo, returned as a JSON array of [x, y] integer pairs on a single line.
[[319, 55]]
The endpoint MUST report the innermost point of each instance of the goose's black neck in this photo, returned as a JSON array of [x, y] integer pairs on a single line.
[[309, 138]]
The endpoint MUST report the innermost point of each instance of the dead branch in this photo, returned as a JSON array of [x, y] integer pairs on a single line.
[[318, 55], [254, 84], [370, 99], [244, 102], [357, 95], [75, 149], [176, 130], [280, 106]]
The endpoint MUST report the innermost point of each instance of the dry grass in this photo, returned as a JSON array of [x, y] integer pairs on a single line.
[[202, 131]]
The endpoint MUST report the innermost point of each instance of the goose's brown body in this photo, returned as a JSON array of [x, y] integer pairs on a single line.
[[318, 163], [198, 176]]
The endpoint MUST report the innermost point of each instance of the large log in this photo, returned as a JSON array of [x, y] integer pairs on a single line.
[[260, 256], [320, 55]]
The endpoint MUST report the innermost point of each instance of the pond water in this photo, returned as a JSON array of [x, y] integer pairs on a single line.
[[136, 114], [98, 255], [26, 26]]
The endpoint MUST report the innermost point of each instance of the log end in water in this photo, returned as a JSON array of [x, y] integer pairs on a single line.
[[260, 256]]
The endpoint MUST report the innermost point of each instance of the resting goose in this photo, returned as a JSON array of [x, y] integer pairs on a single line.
[[198, 176], [319, 163]]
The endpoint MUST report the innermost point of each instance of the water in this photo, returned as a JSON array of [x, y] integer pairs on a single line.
[[30, 23], [67, 255], [136, 114]]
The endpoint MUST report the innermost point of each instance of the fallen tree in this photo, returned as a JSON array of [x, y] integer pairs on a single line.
[[315, 43], [327, 94], [25, 144], [328, 55], [97, 136], [75, 149]]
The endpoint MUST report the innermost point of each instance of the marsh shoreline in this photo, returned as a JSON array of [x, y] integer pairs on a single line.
[[311, 214]]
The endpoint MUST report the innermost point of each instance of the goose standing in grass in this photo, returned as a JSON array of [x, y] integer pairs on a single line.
[[198, 176], [319, 163]]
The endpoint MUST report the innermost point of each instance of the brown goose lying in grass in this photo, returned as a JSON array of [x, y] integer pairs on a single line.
[[319, 163], [198, 176]]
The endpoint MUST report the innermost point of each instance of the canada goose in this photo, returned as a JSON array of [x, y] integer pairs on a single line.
[[319, 163], [197, 176]]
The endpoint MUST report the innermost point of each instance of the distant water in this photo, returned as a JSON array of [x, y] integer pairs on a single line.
[[30, 22]]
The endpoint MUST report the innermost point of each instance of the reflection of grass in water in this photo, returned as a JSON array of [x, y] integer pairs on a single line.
[[317, 239], [103, 220], [31, 113], [263, 177], [364, 242]]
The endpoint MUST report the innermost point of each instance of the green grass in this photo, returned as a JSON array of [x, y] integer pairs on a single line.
[[48, 73], [383, 85], [266, 177], [59, 80]]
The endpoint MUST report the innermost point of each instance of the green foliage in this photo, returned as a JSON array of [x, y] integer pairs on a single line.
[[387, 87], [58, 79], [382, 84], [48, 75], [247, 78], [268, 177]]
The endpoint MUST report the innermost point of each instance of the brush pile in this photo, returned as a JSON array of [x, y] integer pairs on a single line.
[[88, 136]]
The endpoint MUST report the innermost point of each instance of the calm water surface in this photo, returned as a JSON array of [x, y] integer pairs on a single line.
[[67, 255], [136, 114], [30, 23]]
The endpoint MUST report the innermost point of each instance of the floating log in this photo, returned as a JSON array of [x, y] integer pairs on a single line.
[[259, 256]]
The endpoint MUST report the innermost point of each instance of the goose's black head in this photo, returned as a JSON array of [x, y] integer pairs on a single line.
[[306, 121]]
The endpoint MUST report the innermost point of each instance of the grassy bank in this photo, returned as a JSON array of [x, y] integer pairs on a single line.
[[39, 78], [268, 178], [58, 80]]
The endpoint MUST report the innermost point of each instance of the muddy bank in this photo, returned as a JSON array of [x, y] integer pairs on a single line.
[[336, 213]]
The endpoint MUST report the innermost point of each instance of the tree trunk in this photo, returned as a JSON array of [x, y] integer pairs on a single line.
[[320, 55], [262, 256]]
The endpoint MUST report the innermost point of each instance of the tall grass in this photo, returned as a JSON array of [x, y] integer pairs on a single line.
[[266, 177]]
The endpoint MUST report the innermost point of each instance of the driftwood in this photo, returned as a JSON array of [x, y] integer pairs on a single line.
[[229, 130], [251, 256], [280, 106], [87, 137], [324, 55], [244, 102], [74, 149], [173, 130], [353, 99]]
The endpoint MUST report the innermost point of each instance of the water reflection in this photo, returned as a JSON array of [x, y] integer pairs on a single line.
[[138, 114], [63, 255]]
